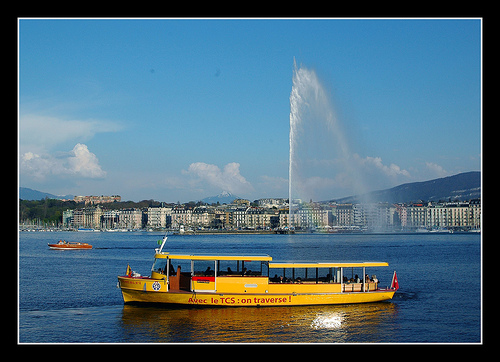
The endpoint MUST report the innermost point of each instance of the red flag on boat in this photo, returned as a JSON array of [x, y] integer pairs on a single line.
[[395, 284]]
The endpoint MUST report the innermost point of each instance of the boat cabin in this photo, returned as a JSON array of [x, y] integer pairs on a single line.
[[259, 274]]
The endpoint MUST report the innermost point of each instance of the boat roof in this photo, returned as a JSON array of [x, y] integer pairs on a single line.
[[165, 255], [299, 264], [327, 264]]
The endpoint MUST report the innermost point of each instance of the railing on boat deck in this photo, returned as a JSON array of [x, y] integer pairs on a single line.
[[358, 287]]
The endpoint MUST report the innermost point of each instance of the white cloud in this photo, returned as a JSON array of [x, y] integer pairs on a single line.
[[437, 171], [39, 133], [78, 162], [85, 163], [274, 183], [392, 170], [228, 179]]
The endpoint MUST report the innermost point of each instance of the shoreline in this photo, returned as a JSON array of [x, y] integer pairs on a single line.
[[261, 232]]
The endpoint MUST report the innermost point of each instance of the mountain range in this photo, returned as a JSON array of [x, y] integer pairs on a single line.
[[463, 186], [223, 198], [26, 193]]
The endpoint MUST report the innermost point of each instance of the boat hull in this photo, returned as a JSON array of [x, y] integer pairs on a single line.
[[145, 290], [69, 247]]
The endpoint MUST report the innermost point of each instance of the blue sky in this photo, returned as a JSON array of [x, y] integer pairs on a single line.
[[178, 110]]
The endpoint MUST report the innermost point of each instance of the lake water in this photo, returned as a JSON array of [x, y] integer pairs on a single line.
[[71, 296]]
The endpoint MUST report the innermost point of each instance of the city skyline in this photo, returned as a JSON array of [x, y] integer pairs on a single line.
[[183, 109], [265, 214]]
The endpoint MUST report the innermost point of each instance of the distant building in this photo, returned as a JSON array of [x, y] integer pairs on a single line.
[[88, 217], [97, 199], [159, 217], [242, 202], [459, 215], [345, 215], [272, 202], [67, 218], [130, 219]]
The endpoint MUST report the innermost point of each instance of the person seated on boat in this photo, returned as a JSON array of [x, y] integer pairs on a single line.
[[298, 280], [209, 271], [244, 272], [367, 278], [275, 279], [344, 279], [374, 278], [356, 279], [229, 271]]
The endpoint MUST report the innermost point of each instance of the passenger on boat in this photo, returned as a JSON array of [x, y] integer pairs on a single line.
[[229, 271], [209, 271], [356, 279], [374, 278]]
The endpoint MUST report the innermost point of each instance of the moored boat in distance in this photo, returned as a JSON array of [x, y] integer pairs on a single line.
[[246, 280], [64, 245]]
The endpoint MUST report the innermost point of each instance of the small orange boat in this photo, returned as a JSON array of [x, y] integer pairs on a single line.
[[64, 245]]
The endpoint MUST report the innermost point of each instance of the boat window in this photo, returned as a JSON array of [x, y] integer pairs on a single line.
[[305, 275], [324, 275], [265, 268], [184, 264], [204, 267], [353, 275], [229, 267], [251, 268], [159, 266]]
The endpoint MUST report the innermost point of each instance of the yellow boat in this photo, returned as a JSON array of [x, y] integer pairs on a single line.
[[240, 281]]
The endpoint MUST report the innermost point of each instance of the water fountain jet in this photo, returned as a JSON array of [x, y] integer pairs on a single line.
[[317, 143]]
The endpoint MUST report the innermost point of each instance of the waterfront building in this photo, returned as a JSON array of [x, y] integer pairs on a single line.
[[463, 215], [345, 215], [314, 217], [219, 218], [402, 215], [67, 218], [158, 217], [475, 212], [283, 219], [272, 202], [181, 216], [201, 218], [110, 219], [88, 217], [130, 219], [235, 217], [416, 216]]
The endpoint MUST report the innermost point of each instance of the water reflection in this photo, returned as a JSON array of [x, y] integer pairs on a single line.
[[330, 321], [373, 322]]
